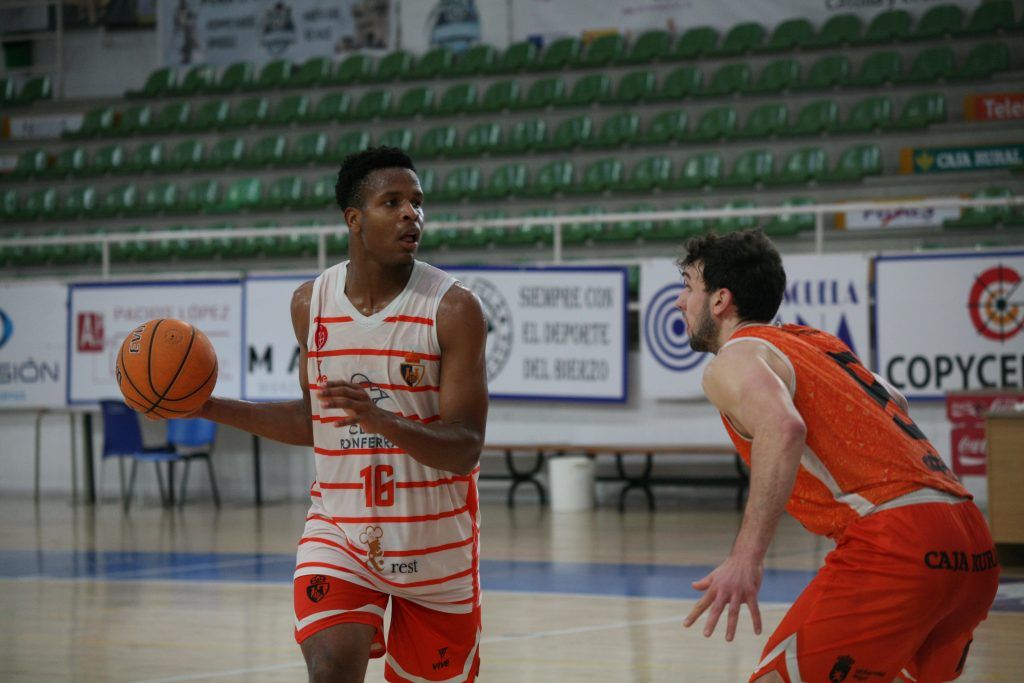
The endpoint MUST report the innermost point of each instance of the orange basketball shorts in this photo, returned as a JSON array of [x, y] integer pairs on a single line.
[[900, 595]]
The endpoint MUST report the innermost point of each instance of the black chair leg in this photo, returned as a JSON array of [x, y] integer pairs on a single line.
[[160, 483], [131, 486], [213, 482], [184, 482]]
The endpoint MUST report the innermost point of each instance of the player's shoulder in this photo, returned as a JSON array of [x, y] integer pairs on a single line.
[[459, 301], [303, 295]]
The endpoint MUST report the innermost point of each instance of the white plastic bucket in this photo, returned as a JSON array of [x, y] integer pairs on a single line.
[[571, 481]]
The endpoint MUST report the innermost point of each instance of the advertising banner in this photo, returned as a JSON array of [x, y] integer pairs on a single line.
[[1004, 106], [100, 315], [947, 159], [966, 411], [825, 291], [38, 127], [950, 322], [897, 217], [227, 31], [33, 344], [271, 351]]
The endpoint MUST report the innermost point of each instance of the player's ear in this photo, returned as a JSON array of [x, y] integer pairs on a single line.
[[353, 218], [720, 300]]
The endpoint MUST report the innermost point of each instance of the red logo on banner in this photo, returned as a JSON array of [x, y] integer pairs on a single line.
[[995, 313], [969, 449], [997, 107], [90, 332]]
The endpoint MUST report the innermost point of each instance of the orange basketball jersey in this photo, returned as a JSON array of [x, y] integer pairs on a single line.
[[862, 453]]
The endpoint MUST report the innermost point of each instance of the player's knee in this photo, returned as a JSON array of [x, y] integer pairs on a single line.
[[769, 677], [325, 666]]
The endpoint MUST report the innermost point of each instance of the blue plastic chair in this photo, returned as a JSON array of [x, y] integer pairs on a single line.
[[193, 439]]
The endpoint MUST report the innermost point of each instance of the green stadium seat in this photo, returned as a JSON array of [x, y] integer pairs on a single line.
[[856, 163], [802, 166], [250, 112], [677, 229], [237, 76], [738, 222], [740, 39], [649, 174], [460, 183], [158, 199], [457, 99], [560, 53], [427, 182], [241, 195], [635, 87], [939, 22], [481, 138], [517, 57], [201, 196], [629, 230], [826, 73], [878, 69], [728, 79], [537, 235], [107, 159], [70, 162], [591, 89], [436, 142], [210, 116], [602, 52], [145, 158], [8, 93], [321, 193], [524, 136], [440, 237], [477, 60], [35, 89], [184, 156], [650, 46], [776, 77], [499, 96], [39, 204], [371, 105], [32, 162], [227, 152], [543, 93], [992, 16], [700, 170], [815, 118], [313, 72], [683, 82], [600, 176], [434, 63], [920, 111], [122, 200], [751, 167], [98, 121], [715, 124], [289, 110], [789, 35], [396, 137], [158, 84], [284, 193], [764, 121], [413, 102], [351, 142], [481, 237], [984, 216], [553, 178], [867, 115], [582, 233], [507, 180], [665, 127], [134, 120], [839, 30], [331, 108], [80, 201], [173, 117], [294, 246], [8, 206], [983, 61], [697, 42], [888, 27], [930, 65], [392, 67], [618, 129], [200, 78], [337, 242], [569, 134], [267, 151], [789, 224], [357, 68], [309, 148]]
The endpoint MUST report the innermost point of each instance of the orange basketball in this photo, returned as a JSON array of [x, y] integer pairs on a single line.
[[166, 368]]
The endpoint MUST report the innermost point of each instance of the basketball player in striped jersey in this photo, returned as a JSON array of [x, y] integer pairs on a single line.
[[914, 570], [396, 433]]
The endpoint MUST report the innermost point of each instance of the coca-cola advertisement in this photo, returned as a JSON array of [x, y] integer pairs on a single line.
[[969, 450], [967, 412]]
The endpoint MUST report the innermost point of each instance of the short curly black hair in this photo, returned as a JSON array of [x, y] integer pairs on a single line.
[[348, 190], [744, 262]]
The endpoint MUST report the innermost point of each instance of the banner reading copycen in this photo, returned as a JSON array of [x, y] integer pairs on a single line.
[[947, 159]]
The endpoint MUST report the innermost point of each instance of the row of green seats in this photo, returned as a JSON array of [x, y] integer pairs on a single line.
[[930, 65], [604, 51], [35, 88], [988, 216]]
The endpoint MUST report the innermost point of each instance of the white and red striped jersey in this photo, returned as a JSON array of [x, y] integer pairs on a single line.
[[405, 528]]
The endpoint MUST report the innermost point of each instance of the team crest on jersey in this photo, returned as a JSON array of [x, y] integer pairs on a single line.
[[318, 588], [412, 373], [320, 336], [371, 538], [841, 669]]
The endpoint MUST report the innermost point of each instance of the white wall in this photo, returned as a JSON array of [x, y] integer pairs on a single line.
[[98, 63]]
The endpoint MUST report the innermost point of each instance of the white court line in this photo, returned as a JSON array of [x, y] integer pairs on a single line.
[[157, 571]]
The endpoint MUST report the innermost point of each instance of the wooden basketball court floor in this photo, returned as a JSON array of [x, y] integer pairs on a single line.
[[93, 594]]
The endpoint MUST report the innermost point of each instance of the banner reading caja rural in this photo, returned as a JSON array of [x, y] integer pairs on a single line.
[[33, 344], [950, 322], [227, 31], [1003, 106], [948, 159], [100, 315], [825, 291]]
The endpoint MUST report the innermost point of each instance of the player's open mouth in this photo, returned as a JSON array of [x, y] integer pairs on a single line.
[[410, 238]]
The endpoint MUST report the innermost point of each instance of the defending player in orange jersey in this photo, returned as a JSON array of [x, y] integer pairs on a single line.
[[396, 434], [914, 570]]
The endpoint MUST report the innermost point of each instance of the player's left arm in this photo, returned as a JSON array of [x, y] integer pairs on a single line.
[[743, 384], [452, 443]]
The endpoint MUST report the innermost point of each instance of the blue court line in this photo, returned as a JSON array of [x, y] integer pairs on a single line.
[[574, 578]]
